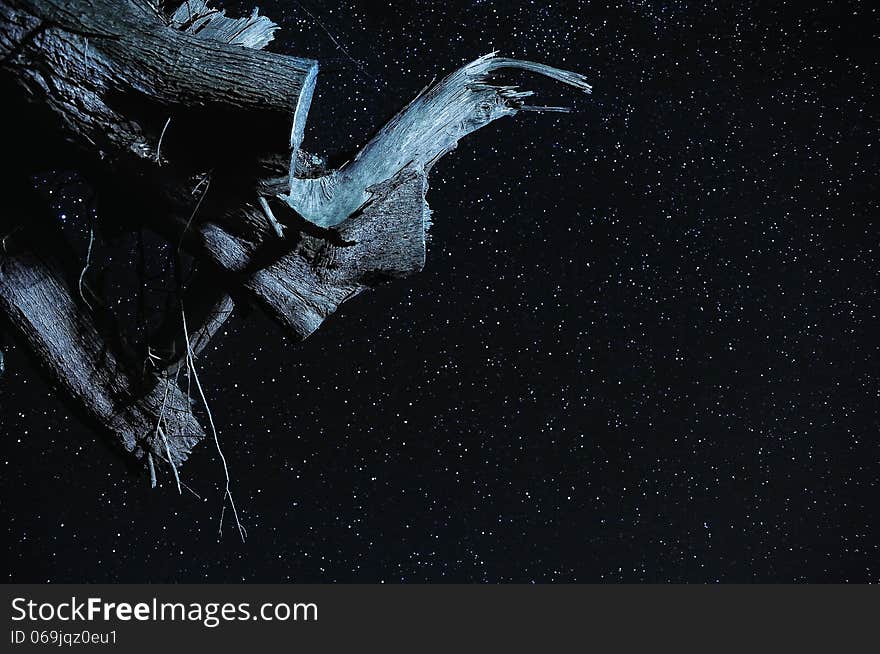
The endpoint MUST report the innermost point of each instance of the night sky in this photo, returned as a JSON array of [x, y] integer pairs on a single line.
[[643, 349]]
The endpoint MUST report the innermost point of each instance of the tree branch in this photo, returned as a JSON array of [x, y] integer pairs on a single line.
[[37, 301]]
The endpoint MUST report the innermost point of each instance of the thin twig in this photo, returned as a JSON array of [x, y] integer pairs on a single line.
[[160, 431], [86, 266], [156, 10], [195, 211], [191, 490], [159, 145], [152, 468], [170, 459], [242, 532], [182, 483], [273, 221], [6, 238]]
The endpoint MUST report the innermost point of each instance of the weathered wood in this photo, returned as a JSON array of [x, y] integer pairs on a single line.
[[93, 61], [234, 231], [38, 302], [304, 283], [196, 17], [428, 128], [207, 309], [184, 125], [87, 62]]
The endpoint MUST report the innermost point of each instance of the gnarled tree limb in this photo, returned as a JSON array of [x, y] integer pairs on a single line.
[[37, 300], [185, 126]]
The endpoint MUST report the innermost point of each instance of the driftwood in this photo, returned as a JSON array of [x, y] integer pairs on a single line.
[[37, 300], [184, 125]]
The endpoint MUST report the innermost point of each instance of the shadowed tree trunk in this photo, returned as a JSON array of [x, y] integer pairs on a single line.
[[183, 124]]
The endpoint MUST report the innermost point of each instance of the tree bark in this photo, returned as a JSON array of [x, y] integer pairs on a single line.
[[92, 62], [37, 301], [184, 125]]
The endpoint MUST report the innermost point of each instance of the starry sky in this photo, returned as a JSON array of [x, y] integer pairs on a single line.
[[640, 350]]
